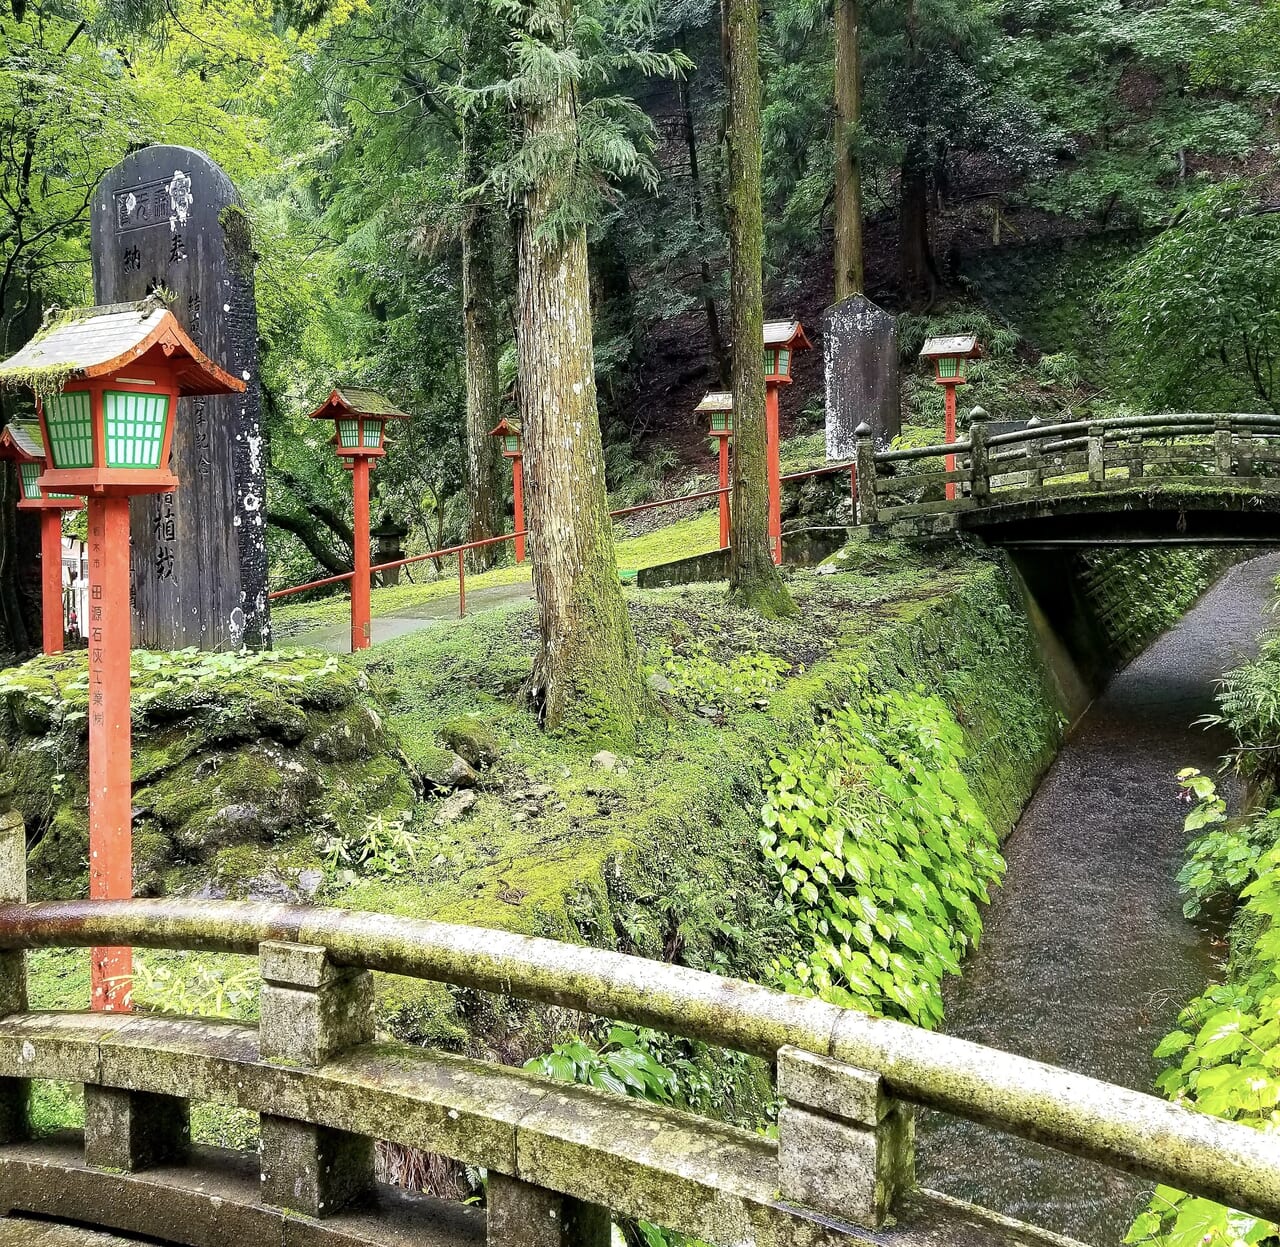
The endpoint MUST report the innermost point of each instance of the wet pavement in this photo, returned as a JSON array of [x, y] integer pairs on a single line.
[[1086, 957]]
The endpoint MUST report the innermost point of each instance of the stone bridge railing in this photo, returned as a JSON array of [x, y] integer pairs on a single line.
[[990, 467], [561, 1160]]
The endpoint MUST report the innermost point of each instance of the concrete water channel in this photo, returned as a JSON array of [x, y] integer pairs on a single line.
[[1086, 957]]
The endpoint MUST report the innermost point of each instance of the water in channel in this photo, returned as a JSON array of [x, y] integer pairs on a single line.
[[1085, 957]]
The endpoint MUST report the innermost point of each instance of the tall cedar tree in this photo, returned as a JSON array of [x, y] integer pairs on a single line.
[[753, 579], [848, 186], [480, 232], [586, 676]]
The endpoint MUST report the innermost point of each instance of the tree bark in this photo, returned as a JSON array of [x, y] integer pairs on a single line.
[[919, 273], [753, 579], [850, 278], [586, 676], [480, 326], [719, 352]]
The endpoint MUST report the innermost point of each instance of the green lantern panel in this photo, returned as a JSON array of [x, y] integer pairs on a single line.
[[70, 430], [135, 427], [511, 444], [770, 362], [784, 362], [372, 434], [719, 421], [30, 471], [349, 434], [949, 366]]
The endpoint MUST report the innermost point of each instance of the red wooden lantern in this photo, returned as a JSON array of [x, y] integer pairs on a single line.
[[782, 339], [717, 406], [949, 355], [360, 418], [509, 435], [22, 443], [107, 381]]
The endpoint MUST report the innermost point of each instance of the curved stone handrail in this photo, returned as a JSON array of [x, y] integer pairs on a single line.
[[1126, 1129]]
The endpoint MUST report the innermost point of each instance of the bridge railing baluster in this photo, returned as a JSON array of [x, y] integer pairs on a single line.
[[979, 461], [14, 1092], [311, 1011], [865, 460], [846, 1147]]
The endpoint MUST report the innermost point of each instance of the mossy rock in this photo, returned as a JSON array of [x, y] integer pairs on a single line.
[[472, 740], [229, 749]]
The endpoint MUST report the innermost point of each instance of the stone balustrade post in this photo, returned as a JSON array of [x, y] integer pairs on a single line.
[[1097, 454], [13, 969], [127, 1131], [311, 1011], [865, 457], [1224, 448], [518, 1214], [845, 1145], [1035, 460], [979, 459]]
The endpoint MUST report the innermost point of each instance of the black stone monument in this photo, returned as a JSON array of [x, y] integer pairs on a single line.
[[860, 351], [168, 217]]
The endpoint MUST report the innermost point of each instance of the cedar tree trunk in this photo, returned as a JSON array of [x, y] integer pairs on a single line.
[[753, 579], [848, 193], [586, 676]]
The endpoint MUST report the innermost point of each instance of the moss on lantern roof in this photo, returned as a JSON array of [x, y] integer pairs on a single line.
[[364, 402], [961, 344], [25, 437], [716, 400], [92, 341]]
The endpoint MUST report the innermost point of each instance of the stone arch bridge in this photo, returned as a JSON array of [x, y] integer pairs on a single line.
[[562, 1161], [1178, 479]]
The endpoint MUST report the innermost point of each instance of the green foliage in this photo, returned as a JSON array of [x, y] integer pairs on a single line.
[[1221, 859], [883, 854], [1198, 308], [699, 679], [384, 846], [1249, 707], [194, 989], [624, 1064]]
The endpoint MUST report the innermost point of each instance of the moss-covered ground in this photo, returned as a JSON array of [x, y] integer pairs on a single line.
[[638, 546]]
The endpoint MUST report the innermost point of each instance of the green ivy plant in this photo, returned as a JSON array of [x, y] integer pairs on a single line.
[[883, 855], [699, 679]]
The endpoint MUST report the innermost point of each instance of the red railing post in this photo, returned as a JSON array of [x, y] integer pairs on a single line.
[[462, 584], [950, 435]]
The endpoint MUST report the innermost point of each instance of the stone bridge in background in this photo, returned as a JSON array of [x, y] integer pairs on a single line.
[[563, 1161], [1193, 479]]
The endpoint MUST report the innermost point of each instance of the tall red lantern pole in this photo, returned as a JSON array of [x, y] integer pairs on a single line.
[[782, 339], [948, 355], [107, 430], [508, 431], [23, 443], [717, 405], [360, 418]]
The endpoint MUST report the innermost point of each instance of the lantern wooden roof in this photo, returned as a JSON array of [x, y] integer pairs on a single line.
[[23, 441], [506, 428], [961, 345], [715, 400], [101, 341], [355, 400], [789, 333]]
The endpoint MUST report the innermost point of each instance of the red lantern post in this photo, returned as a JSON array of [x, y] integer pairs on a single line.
[[513, 449], [782, 339], [718, 407], [23, 443], [360, 418], [949, 355], [108, 382]]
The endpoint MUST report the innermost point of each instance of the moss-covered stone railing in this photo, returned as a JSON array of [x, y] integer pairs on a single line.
[[562, 1161], [1077, 456]]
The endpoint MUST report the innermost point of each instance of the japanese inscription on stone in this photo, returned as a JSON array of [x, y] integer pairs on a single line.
[[860, 345], [168, 218]]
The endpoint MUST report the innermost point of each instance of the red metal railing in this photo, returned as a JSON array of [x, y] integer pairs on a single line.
[[461, 550]]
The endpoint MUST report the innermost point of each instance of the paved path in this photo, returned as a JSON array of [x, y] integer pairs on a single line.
[[19, 1232], [337, 637]]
